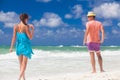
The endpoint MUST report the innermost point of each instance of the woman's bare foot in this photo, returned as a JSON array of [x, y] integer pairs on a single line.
[[93, 71], [23, 78]]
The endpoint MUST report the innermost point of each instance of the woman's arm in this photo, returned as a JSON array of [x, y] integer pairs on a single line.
[[32, 29], [30, 32], [13, 38]]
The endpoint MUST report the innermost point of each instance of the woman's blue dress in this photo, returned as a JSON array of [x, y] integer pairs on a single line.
[[23, 46]]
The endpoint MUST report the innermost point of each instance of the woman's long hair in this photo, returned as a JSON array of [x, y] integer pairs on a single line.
[[24, 16]]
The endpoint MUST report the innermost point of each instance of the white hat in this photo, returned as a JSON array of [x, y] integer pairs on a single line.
[[91, 14]]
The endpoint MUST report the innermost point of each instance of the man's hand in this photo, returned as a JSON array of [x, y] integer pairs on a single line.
[[84, 42], [101, 41]]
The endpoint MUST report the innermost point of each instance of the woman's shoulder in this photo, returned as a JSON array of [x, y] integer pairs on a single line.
[[15, 26]]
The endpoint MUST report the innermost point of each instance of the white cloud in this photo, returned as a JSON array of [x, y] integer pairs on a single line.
[[70, 33], [45, 1], [59, 34], [63, 33], [84, 19], [108, 10], [114, 31], [9, 18], [93, 3], [107, 23], [119, 24], [1, 32], [50, 20], [68, 16], [76, 12]]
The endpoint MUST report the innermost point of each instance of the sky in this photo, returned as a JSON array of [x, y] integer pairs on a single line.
[[60, 22]]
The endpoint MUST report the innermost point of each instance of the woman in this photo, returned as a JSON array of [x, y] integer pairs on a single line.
[[22, 33]]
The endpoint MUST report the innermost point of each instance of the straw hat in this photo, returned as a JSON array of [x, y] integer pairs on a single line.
[[91, 14]]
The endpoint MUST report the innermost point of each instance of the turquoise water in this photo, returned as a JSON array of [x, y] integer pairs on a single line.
[[5, 49]]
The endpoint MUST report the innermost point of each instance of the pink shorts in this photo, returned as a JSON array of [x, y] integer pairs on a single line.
[[92, 46]]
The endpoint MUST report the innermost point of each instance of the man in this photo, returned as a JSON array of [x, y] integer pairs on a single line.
[[93, 41]]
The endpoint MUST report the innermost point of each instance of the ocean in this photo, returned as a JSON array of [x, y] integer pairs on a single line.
[[54, 61], [5, 49]]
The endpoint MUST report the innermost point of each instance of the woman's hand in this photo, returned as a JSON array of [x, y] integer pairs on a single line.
[[11, 50], [31, 26], [30, 31]]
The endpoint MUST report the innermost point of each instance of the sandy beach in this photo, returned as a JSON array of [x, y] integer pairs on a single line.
[[47, 65], [113, 75]]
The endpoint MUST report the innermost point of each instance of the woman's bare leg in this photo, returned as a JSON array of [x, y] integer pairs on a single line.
[[23, 67], [20, 62]]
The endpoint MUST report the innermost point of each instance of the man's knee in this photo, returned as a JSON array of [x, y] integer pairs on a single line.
[[98, 54]]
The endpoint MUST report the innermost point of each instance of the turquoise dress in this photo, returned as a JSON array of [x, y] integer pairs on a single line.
[[23, 46]]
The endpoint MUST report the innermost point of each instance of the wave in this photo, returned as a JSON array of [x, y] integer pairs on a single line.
[[60, 46], [56, 54], [77, 46], [113, 46]]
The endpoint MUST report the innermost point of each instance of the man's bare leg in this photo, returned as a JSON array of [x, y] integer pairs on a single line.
[[92, 56], [100, 61]]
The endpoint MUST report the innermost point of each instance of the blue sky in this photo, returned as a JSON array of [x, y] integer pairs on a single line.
[[60, 22]]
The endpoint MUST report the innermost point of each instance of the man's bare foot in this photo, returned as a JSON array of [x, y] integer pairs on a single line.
[[102, 71]]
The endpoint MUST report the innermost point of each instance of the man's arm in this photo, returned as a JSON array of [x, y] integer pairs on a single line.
[[103, 34], [86, 34]]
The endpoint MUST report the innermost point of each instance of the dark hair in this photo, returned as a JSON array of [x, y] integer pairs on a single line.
[[24, 16], [94, 17]]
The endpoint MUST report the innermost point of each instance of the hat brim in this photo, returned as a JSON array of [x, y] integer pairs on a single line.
[[91, 15]]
